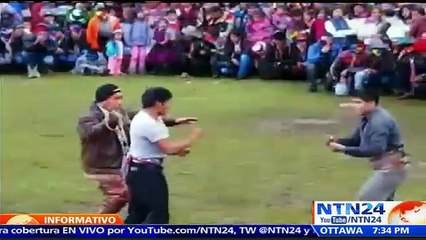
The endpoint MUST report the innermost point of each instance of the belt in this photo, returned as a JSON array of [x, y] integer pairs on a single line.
[[397, 159], [154, 161]]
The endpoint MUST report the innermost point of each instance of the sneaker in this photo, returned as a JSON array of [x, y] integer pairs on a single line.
[[30, 72], [313, 89], [406, 96], [36, 72], [184, 75]]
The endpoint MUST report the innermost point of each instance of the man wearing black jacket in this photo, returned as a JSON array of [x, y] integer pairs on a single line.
[[282, 60], [73, 46]]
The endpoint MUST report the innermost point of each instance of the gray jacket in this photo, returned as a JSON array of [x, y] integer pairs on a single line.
[[377, 134]]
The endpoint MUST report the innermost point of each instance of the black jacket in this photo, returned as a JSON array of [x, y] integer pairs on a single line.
[[290, 57]]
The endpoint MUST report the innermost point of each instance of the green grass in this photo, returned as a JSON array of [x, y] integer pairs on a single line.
[[246, 169]]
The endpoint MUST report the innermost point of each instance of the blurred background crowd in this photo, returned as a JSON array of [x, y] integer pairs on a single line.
[[346, 47]]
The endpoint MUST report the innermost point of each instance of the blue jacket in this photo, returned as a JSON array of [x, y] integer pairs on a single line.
[[111, 48], [241, 19], [315, 55], [140, 34], [127, 28]]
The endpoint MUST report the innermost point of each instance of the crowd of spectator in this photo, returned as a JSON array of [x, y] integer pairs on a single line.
[[346, 47]]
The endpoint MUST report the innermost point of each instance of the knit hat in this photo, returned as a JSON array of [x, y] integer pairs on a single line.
[[76, 15], [75, 28], [19, 25], [279, 35], [106, 91]]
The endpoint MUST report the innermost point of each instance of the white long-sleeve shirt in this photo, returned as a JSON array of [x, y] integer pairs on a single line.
[[329, 27]]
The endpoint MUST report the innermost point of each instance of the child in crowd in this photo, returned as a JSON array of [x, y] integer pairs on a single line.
[[114, 51], [280, 18], [259, 28], [162, 55], [140, 40], [172, 18]]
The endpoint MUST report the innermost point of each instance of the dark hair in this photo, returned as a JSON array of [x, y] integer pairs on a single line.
[[156, 94], [401, 10], [296, 12], [171, 12], [369, 96], [236, 32], [420, 10]]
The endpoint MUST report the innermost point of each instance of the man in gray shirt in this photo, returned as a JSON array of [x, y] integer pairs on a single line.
[[378, 137]]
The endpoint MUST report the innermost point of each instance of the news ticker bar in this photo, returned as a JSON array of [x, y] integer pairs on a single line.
[[199, 231]]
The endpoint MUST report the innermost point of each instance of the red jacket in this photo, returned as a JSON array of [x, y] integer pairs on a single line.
[[420, 45], [36, 16]]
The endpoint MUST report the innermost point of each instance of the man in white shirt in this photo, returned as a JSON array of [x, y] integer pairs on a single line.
[[150, 144]]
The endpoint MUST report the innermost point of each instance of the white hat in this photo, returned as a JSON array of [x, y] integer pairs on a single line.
[[192, 31], [117, 31], [259, 47]]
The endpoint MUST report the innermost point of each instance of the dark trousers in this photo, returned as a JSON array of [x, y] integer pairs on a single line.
[[149, 195], [275, 71], [315, 72], [40, 59], [402, 78]]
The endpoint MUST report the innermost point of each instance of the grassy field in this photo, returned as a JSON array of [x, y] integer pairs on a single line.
[[256, 163]]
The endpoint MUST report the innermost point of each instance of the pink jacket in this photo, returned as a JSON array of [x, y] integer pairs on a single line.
[[280, 22], [260, 30]]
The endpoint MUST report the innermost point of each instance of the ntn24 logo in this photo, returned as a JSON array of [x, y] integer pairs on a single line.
[[348, 208], [407, 212]]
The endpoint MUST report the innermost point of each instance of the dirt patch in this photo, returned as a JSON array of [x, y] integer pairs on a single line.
[[81, 206], [299, 125], [52, 135]]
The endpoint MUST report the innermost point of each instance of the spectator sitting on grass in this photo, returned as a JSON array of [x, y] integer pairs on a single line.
[[282, 60], [238, 60], [319, 59], [39, 48], [348, 63], [74, 45], [198, 60]]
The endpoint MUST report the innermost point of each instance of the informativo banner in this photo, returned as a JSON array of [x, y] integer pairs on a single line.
[[201, 231], [330, 219]]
